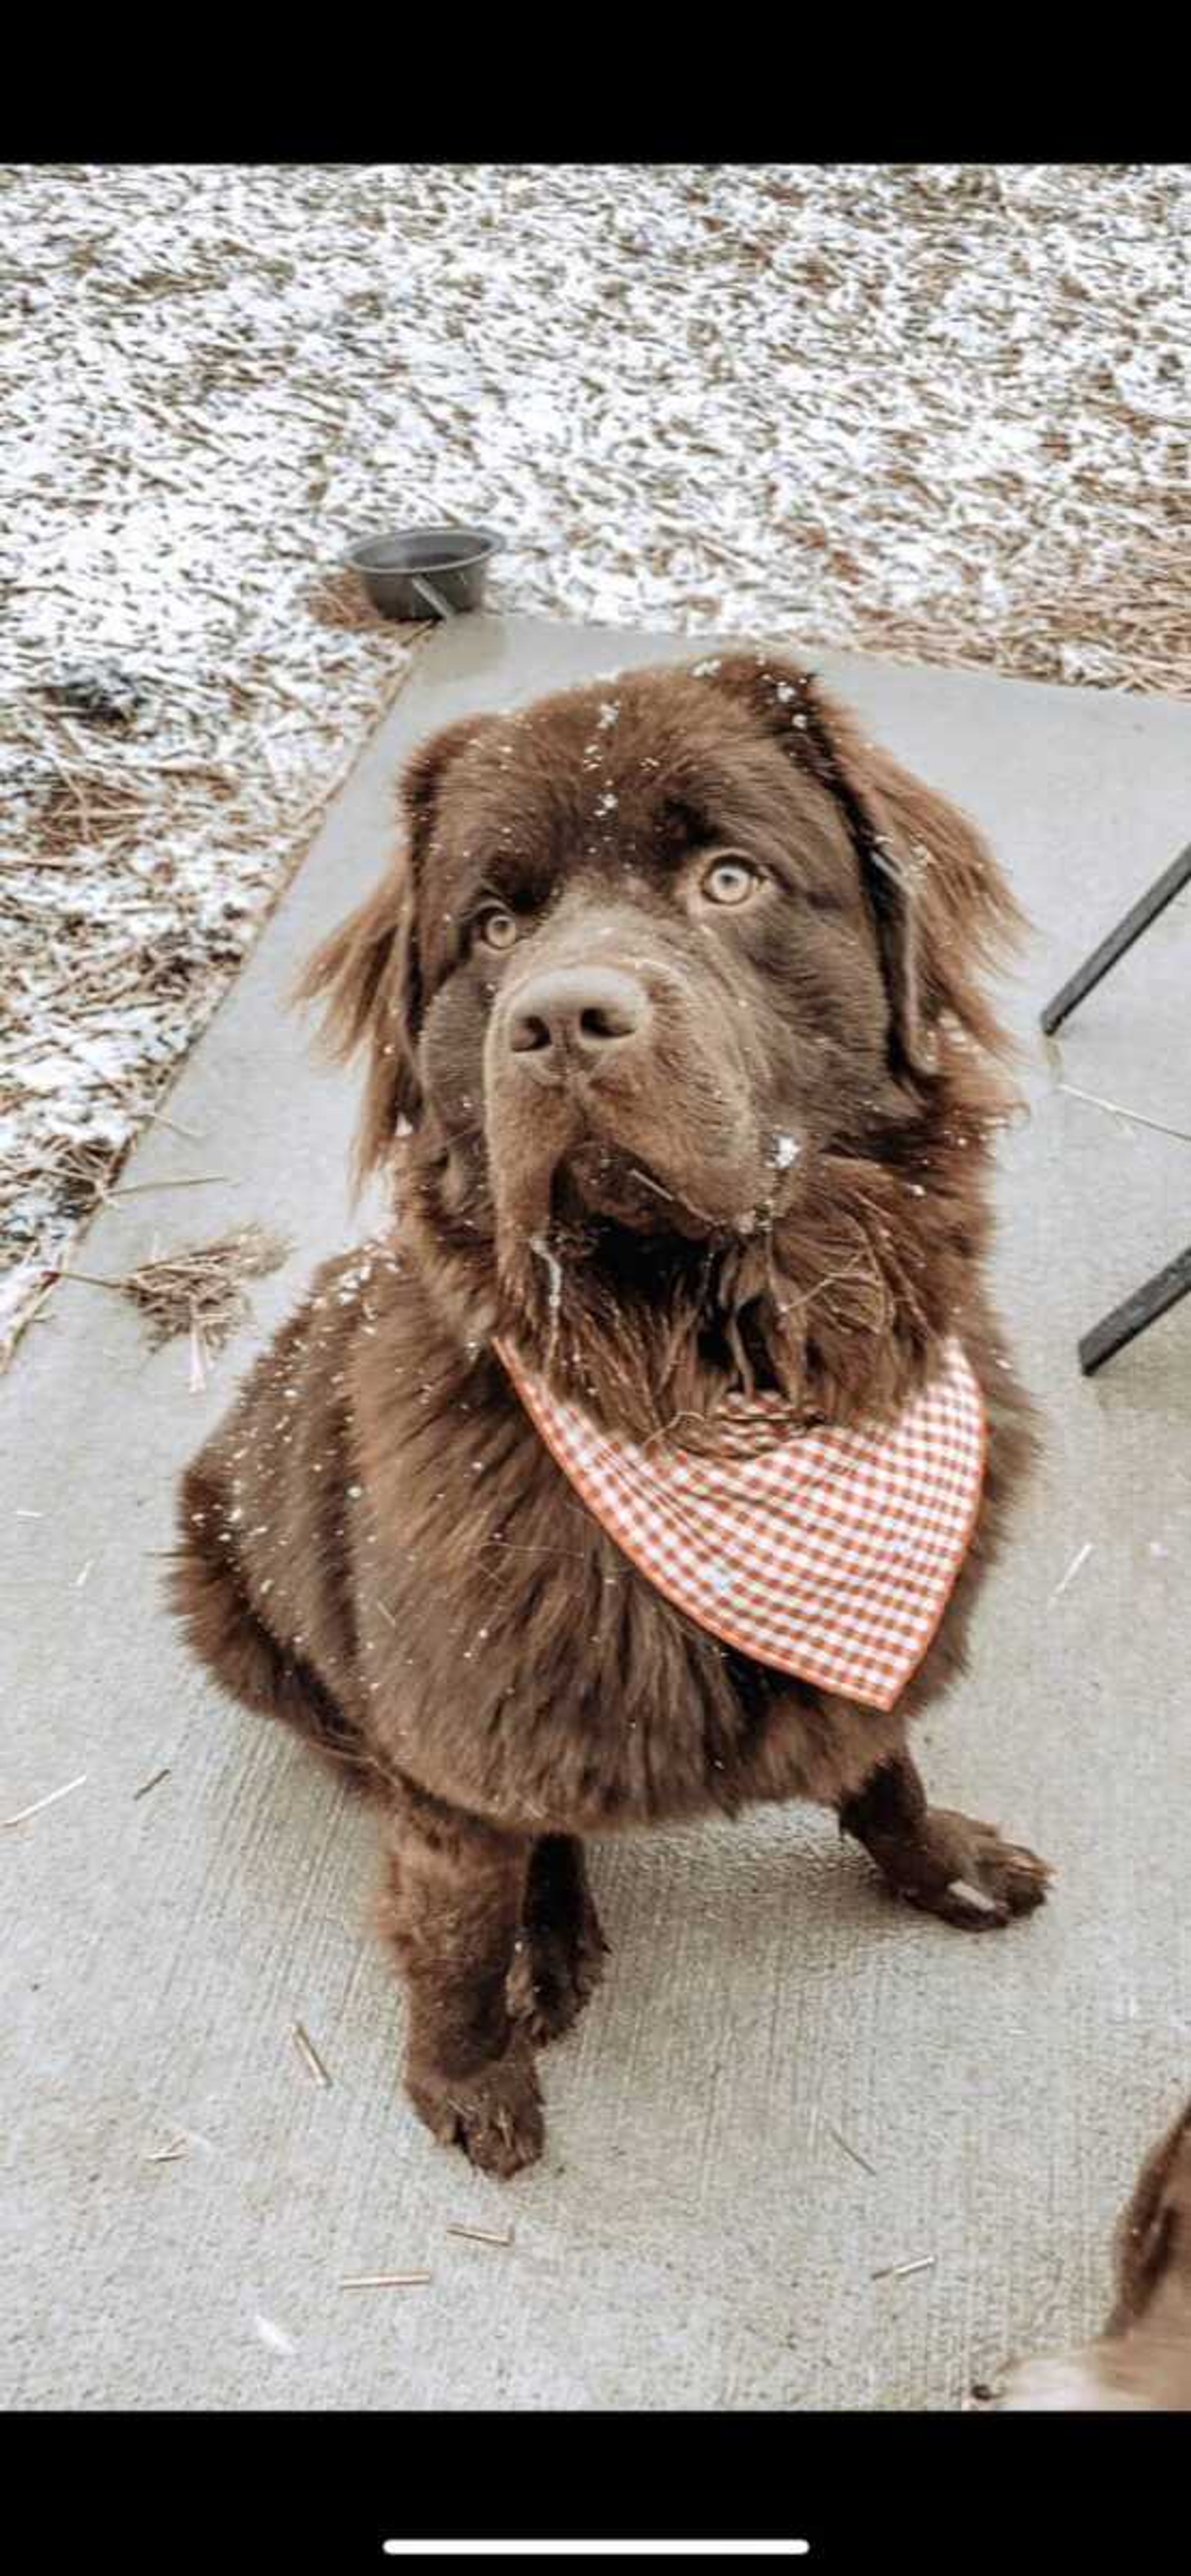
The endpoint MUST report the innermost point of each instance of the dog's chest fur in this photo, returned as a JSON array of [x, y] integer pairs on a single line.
[[399, 1527]]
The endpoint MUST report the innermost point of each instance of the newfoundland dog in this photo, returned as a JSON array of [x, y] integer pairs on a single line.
[[648, 1462]]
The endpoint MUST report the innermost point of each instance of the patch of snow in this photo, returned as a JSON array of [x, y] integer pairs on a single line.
[[934, 410]]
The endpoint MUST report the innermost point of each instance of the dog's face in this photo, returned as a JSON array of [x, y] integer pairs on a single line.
[[652, 986], [657, 949]]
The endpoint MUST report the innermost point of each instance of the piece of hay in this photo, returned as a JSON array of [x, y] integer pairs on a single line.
[[1073, 1569], [23, 1813], [1117, 1109], [850, 2150], [199, 1290], [386, 2280], [158, 1776], [310, 2056], [339, 600]]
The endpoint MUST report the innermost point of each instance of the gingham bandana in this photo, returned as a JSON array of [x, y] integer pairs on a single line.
[[830, 1553]]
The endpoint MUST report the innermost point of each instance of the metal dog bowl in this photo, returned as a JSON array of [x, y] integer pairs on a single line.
[[414, 573]]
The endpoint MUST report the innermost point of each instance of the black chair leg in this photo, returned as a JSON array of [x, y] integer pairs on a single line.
[[1167, 1286], [1143, 1307], [1170, 883]]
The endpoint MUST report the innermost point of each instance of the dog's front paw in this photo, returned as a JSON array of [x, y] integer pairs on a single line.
[[963, 1872], [494, 2114]]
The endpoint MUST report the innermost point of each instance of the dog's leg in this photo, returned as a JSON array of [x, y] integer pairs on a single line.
[[947, 1864], [560, 1960], [453, 1909], [208, 1590]]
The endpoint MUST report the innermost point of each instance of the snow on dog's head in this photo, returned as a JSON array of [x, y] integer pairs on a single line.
[[656, 959]]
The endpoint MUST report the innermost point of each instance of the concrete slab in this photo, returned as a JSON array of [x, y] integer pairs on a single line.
[[699, 2235]]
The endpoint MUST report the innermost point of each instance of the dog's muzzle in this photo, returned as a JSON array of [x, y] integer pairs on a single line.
[[575, 1022]]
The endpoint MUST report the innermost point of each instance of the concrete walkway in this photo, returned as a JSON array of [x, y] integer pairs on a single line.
[[700, 2234]]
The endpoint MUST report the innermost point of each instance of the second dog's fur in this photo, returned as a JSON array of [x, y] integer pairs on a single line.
[[1141, 2363]]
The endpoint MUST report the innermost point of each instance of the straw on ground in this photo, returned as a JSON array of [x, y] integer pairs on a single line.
[[198, 1290]]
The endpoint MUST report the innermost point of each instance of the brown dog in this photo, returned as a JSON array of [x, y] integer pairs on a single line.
[[1143, 2358], [678, 1058]]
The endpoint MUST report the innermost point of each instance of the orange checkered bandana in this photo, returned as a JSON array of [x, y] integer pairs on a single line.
[[830, 1554]]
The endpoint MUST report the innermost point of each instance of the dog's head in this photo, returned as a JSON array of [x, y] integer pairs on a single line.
[[656, 956]]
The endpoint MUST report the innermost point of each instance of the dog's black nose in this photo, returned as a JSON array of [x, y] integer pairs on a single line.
[[580, 1014]]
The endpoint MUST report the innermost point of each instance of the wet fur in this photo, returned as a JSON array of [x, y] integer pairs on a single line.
[[375, 1544]]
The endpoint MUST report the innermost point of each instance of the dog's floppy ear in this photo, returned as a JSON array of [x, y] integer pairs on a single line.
[[941, 908], [368, 973]]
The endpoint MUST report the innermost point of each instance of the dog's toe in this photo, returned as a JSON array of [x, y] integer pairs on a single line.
[[495, 2116], [504, 2141], [970, 1877]]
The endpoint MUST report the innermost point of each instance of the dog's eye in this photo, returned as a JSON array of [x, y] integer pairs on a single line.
[[497, 929], [730, 881]]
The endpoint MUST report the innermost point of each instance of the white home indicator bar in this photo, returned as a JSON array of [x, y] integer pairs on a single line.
[[596, 2548]]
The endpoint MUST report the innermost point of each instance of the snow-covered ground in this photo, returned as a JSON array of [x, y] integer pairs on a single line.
[[939, 411]]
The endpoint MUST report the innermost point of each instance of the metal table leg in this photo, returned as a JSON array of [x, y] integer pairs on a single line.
[[1167, 1286], [1170, 883], [1142, 1308]]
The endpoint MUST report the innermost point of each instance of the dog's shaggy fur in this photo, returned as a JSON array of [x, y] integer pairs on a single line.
[[678, 1057], [1142, 2361]]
